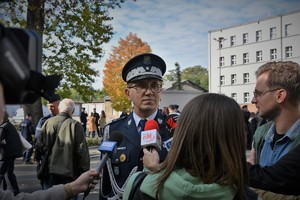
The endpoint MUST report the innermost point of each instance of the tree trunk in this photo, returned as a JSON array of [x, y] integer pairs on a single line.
[[35, 21]]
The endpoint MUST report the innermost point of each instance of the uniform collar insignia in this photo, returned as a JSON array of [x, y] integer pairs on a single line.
[[129, 122], [159, 120]]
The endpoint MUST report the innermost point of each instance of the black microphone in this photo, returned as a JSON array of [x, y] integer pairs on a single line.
[[107, 148]]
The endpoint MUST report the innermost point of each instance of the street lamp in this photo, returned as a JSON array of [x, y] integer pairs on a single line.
[[220, 40]]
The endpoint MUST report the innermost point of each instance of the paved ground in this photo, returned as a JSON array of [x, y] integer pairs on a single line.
[[26, 175]]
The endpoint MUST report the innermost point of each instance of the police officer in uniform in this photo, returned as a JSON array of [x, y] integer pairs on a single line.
[[143, 75]]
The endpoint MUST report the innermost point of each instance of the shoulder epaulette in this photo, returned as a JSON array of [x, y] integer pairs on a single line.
[[117, 120]]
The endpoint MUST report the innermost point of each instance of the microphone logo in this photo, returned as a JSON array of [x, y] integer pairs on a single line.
[[107, 146], [148, 136]]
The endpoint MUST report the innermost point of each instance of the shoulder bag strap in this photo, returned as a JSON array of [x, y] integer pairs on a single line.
[[136, 183]]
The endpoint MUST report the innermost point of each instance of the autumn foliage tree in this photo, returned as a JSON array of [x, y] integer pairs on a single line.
[[113, 84]]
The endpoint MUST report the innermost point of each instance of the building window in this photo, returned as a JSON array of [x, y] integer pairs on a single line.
[[246, 78], [234, 96], [233, 79], [246, 58], [288, 52], [258, 36], [222, 61], [288, 29], [258, 56], [233, 59], [232, 40], [245, 38], [246, 97], [272, 33], [222, 80], [273, 54]]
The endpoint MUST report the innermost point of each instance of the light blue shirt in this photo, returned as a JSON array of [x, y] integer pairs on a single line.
[[270, 156]]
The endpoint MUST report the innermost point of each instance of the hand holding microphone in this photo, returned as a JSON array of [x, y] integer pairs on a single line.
[[151, 142], [150, 159], [108, 148]]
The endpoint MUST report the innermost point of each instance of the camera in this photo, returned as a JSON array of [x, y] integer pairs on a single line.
[[21, 66]]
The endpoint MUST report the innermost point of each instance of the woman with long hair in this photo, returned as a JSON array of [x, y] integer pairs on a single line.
[[207, 158]]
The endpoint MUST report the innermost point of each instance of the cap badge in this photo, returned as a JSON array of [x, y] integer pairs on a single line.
[[147, 60]]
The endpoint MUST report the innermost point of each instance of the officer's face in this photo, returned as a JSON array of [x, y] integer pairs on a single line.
[[145, 95]]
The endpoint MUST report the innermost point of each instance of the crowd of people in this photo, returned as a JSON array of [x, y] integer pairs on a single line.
[[94, 122], [207, 158]]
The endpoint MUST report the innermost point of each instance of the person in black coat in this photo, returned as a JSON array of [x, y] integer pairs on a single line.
[[83, 119], [10, 149]]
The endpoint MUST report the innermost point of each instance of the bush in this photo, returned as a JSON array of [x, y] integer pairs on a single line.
[[93, 141]]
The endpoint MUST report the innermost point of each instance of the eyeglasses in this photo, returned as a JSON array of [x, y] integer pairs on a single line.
[[257, 93], [143, 87]]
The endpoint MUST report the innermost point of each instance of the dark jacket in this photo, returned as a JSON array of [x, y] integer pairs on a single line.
[[283, 177], [13, 145], [27, 130], [129, 151]]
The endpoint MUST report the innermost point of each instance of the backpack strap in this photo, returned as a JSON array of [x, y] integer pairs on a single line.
[[137, 183]]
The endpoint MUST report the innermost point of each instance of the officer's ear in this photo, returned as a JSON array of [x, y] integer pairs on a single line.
[[127, 93]]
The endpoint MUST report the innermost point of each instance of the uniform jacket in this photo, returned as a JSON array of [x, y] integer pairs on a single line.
[[11, 145], [55, 193], [181, 185], [129, 151], [40, 125], [70, 154], [283, 177], [27, 130]]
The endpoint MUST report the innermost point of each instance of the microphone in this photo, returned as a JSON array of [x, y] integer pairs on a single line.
[[167, 144], [107, 148], [150, 137]]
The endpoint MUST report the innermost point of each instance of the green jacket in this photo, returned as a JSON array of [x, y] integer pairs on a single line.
[[181, 185], [259, 139], [70, 154]]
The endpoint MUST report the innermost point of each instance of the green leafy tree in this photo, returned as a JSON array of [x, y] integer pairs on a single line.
[[196, 74], [73, 33], [178, 76], [113, 83]]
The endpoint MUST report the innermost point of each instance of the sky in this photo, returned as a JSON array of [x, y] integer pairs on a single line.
[[177, 30]]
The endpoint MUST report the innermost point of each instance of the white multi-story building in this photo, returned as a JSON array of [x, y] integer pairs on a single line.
[[235, 53]]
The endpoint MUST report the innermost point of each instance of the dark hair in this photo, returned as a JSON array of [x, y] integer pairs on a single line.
[[209, 144]]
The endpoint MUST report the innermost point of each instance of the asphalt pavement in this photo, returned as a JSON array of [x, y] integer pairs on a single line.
[[28, 182], [26, 175]]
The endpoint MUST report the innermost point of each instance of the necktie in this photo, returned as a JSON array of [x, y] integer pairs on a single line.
[[141, 125]]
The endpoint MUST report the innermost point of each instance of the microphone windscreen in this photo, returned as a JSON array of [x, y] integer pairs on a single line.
[[151, 125], [116, 136]]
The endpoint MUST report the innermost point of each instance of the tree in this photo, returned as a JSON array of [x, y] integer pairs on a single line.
[[196, 74], [113, 83], [73, 33], [178, 76]]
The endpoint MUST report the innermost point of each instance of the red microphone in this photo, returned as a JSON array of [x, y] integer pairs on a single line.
[[150, 137]]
